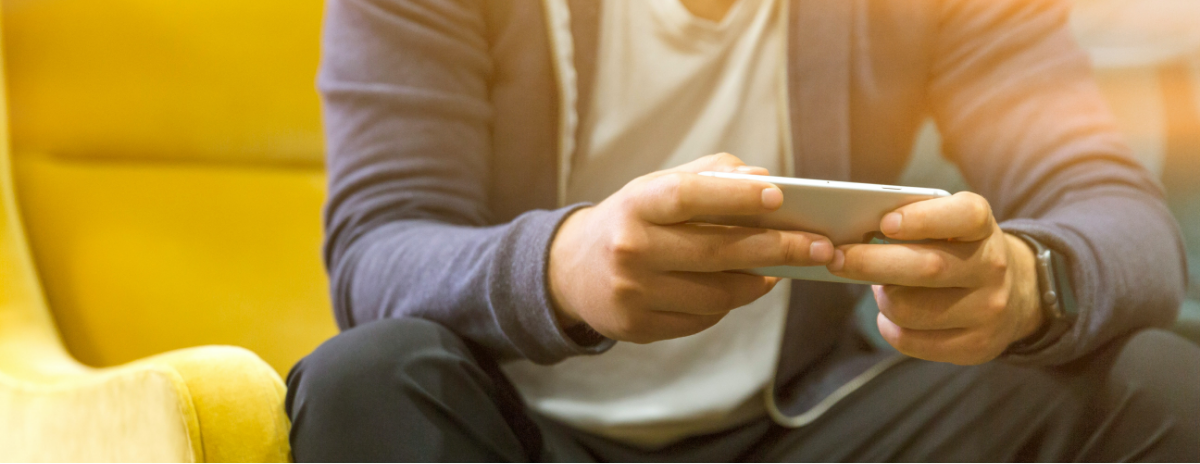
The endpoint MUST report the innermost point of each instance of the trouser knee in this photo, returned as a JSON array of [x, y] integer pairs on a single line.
[[370, 363], [1151, 384], [1161, 365]]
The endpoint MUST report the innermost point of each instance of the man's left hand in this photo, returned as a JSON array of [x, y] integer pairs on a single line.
[[962, 298]]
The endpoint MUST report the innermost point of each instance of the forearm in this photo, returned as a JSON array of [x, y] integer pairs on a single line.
[[405, 86], [486, 283], [1126, 265], [1015, 101]]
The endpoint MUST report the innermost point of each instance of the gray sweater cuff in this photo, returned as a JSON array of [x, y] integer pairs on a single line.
[[520, 282], [1076, 341]]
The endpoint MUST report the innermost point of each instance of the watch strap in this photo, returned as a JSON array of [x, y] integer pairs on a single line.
[[1054, 296]]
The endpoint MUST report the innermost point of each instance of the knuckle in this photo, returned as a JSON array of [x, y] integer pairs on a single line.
[[706, 322], [932, 266], [794, 250], [899, 314], [712, 250], [724, 157], [627, 246], [974, 345], [997, 264], [980, 211], [683, 328], [641, 338], [626, 199], [997, 269], [726, 300], [917, 221], [761, 289], [625, 327], [996, 303], [668, 184], [977, 350], [905, 345], [723, 299], [853, 265], [641, 187], [672, 189], [626, 292], [642, 180]]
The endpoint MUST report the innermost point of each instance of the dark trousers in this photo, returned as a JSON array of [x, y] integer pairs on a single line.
[[410, 390]]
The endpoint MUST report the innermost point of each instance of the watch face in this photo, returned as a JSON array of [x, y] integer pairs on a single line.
[[1053, 284], [1045, 276], [1062, 282]]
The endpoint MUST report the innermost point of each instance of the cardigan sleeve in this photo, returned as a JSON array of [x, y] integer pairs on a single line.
[[404, 87], [1020, 114]]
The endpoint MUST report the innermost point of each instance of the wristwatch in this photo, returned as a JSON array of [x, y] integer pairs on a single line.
[[1055, 295]]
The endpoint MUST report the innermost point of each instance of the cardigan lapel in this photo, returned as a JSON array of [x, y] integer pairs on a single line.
[[818, 83], [585, 27]]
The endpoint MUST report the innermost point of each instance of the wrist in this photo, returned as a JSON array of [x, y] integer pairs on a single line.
[[562, 248], [1056, 299], [1025, 291], [562, 253]]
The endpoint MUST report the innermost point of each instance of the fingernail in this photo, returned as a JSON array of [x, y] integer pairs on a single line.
[[745, 169], [772, 198], [839, 259], [890, 225], [820, 251]]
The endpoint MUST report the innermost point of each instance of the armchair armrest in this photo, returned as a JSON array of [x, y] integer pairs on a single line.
[[216, 404]]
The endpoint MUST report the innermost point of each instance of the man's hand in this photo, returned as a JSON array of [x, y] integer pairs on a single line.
[[634, 269], [963, 299]]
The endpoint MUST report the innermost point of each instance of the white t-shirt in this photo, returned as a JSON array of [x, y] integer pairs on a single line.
[[670, 88]]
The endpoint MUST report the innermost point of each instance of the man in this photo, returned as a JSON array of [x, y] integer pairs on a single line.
[[511, 255]]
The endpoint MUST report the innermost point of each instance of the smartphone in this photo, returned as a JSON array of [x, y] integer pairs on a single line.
[[846, 212]]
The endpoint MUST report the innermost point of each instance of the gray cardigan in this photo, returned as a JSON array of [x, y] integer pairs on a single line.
[[445, 127]]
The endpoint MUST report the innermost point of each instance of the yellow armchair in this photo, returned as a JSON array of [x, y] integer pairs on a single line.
[[163, 193], [190, 405]]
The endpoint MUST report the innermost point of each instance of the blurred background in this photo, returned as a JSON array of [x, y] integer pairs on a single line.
[[167, 164]]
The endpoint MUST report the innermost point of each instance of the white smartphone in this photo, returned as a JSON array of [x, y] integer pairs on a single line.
[[846, 212]]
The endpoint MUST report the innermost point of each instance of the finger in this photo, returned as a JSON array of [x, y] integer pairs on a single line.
[[710, 248], [956, 346], [720, 162], [708, 293], [754, 170], [676, 197], [963, 216], [931, 308], [953, 264]]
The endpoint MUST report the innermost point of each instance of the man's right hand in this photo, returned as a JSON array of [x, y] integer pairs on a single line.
[[635, 270]]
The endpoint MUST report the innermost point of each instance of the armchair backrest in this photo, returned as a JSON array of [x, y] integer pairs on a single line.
[[25, 321], [168, 162], [210, 81]]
